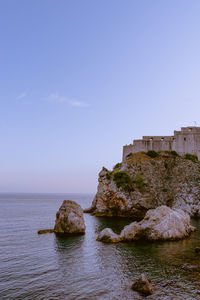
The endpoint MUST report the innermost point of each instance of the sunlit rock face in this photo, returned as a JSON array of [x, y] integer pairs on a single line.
[[69, 218], [146, 183], [113, 201], [108, 236], [161, 223]]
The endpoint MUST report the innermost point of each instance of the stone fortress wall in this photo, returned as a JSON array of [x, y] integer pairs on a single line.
[[185, 141]]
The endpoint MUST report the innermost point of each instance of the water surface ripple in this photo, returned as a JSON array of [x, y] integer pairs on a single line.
[[54, 267]]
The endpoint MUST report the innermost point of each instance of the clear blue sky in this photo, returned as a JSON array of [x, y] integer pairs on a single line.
[[81, 78]]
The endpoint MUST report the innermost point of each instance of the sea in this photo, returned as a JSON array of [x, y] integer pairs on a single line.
[[47, 266]]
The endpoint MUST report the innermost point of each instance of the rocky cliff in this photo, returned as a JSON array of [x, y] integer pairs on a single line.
[[147, 180]]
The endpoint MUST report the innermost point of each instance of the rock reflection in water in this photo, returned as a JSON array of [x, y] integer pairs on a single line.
[[78, 267], [93, 270]]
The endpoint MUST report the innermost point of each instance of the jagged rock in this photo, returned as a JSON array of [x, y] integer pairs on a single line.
[[161, 223], [43, 231], [69, 218], [108, 236], [165, 180], [143, 286], [131, 232], [112, 201]]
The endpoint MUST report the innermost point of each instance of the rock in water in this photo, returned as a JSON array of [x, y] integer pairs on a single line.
[[162, 223], [43, 231], [108, 236], [143, 286], [69, 218], [131, 232]]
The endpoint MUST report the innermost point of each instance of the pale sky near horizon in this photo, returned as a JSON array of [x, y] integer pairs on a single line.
[[81, 78]]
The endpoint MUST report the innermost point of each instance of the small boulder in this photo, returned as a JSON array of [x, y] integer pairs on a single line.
[[143, 286], [108, 236], [69, 218]]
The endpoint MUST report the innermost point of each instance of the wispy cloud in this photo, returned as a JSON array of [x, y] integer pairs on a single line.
[[21, 96], [78, 103], [56, 97]]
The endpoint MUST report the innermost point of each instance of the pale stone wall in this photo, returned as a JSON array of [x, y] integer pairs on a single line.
[[127, 149], [185, 141]]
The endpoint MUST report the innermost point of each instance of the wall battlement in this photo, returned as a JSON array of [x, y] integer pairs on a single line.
[[187, 140]]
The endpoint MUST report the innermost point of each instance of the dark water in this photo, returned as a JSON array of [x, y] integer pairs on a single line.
[[36, 266]]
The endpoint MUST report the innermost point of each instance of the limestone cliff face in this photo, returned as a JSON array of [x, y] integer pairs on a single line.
[[143, 182]]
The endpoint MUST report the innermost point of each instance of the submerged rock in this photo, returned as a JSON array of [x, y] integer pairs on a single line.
[[108, 236], [43, 231], [197, 249], [69, 218], [161, 223], [143, 286]]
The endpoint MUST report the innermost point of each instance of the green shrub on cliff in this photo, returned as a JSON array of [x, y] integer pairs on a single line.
[[109, 175], [140, 184], [129, 155], [152, 153], [191, 157], [117, 166], [123, 180], [174, 153], [105, 169]]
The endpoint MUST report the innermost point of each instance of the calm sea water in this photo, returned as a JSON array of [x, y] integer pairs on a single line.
[[49, 267]]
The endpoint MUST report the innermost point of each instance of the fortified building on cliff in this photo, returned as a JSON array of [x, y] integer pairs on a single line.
[[185, 141]]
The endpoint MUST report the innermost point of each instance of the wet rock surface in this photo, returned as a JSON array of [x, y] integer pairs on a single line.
[[43, 231], [69, 218], [143, 286]]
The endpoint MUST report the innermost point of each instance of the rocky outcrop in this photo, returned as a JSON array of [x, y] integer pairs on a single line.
[[113, 201], [143, 182], [143, 286], [69, 218], [108, 236], [161, 223]]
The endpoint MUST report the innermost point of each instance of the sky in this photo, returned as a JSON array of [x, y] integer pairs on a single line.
[[81, 78]]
